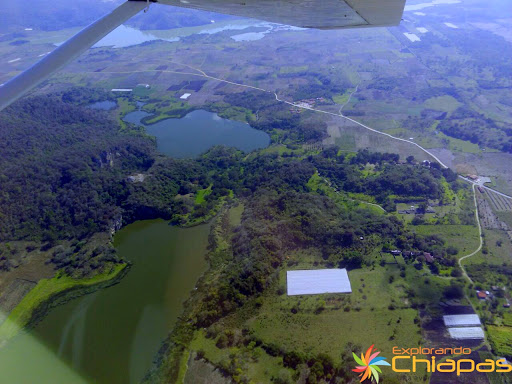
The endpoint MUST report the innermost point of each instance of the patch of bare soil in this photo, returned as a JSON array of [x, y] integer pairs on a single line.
[[26, 270], [12, 295], [436, 335], [201, 372], [464, 378]]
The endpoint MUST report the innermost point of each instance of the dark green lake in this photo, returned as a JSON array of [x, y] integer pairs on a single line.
[[112, 336], [199, 131]]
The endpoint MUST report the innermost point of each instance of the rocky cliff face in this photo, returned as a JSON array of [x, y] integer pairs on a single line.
[[106, 159], [116, 224]]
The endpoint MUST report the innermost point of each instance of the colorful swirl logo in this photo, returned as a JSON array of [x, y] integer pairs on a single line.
[[369, 363]]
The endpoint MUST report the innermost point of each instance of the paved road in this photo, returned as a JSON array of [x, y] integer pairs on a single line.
[[204, 74], [473, 184]]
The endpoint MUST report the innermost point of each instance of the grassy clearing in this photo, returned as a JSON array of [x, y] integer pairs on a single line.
[[343, 98], [143, 91], [257, 364], [444, 103], [376, 312], [189, 220], [293, 69], [202, 193], [497, 245], [463, 237], [169, 108], [317, 183], [378, 296], [235, 215], [124, 107], [330, 331], [345, 141], [448, 195], [279, 149], [183, 366], [501, 339], [459, 145], [507, 319], [45, 289]]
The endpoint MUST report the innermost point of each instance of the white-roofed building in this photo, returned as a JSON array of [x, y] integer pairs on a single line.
[[462, 320], [316, 281], [466, 333]]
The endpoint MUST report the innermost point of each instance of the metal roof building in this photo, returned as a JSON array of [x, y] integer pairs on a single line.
[[316, 281], [462, 320], [466, 333]]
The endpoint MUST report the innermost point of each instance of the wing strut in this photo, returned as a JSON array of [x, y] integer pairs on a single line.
[[72, 48]]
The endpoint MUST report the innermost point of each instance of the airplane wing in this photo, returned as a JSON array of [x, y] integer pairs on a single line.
[[321, 14]]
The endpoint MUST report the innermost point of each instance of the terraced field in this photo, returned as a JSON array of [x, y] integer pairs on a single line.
[[499, 203]]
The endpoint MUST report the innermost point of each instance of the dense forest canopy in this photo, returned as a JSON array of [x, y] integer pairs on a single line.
[[61, 169], [68, 173], [65, 14]]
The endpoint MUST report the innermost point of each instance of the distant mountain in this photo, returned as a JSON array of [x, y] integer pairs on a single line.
[[60, 14]]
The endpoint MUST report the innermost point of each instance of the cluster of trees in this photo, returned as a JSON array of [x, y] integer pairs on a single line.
[[282, 216], [62, 172], [64, 176], [85, 96], [61, 169], [276, 116], [389, 178], [466, 124], [61, 16], [489, 274]]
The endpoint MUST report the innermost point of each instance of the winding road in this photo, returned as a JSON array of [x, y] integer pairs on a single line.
[[201, 73]]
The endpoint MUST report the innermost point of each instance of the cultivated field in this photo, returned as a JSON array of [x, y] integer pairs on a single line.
[[498, 202]]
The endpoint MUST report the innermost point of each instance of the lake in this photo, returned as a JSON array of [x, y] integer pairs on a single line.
[[198, 131], [112, 335], [125, 36]]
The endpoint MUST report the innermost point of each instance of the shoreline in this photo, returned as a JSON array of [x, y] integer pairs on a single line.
[[49, 293]]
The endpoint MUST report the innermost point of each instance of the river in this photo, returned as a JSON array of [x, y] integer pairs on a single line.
[[112, 336]]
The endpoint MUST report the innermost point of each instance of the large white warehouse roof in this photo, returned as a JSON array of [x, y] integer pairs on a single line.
[[461, 320], [466, 333], [315, 281]]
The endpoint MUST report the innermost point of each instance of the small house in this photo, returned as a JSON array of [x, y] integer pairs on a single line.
[[481, 295], [428, 257]]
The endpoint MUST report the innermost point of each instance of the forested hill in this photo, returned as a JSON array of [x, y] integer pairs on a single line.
[[59, 168], [16, 16], [68, 173]]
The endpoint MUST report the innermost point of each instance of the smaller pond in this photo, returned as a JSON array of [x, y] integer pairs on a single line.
[[199, 131], [105, 105]]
